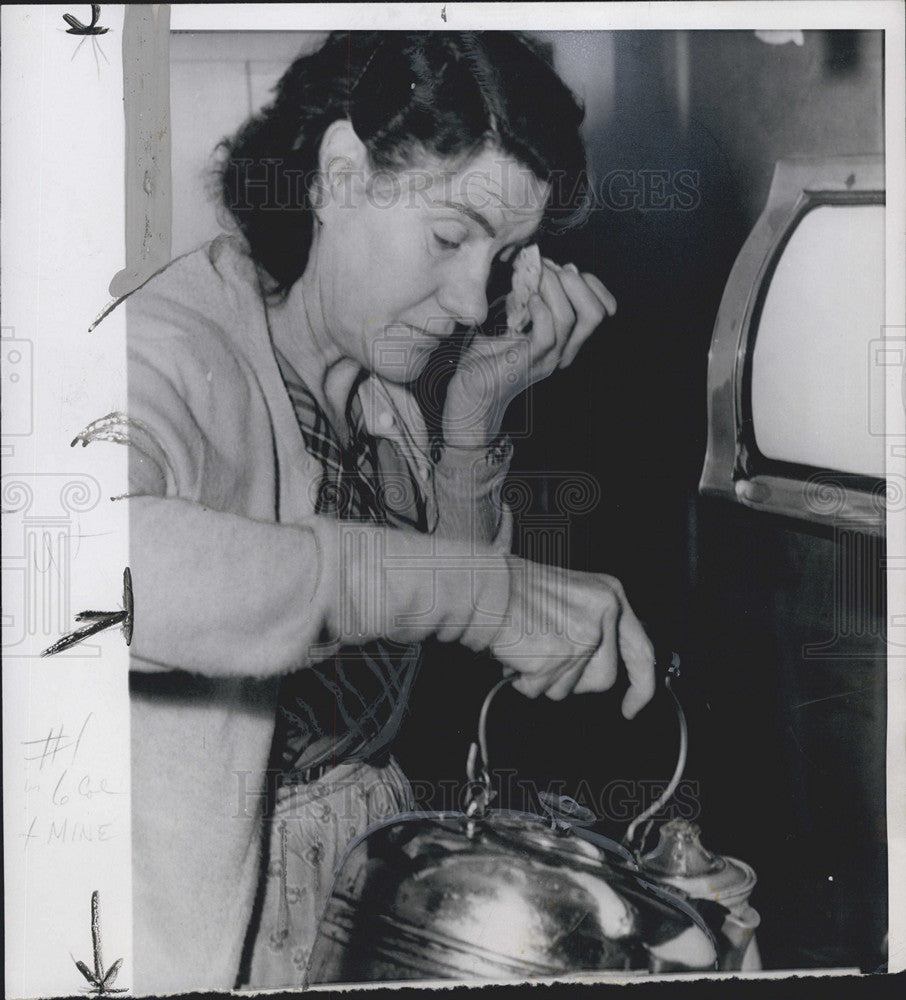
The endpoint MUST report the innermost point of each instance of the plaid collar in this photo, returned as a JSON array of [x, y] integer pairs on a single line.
[[352, 486]]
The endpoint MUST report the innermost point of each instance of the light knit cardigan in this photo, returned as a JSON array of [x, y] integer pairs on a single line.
[[235, 581]]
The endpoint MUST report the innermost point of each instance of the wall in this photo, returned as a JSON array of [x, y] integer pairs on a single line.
[[217, 80]]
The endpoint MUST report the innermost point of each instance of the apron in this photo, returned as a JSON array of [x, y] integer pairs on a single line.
[[311, 828]]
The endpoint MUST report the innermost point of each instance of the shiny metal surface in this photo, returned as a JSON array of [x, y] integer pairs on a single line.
[[680, 852], [681, 860], [498, 897]]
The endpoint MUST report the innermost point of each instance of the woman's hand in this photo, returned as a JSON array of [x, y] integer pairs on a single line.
[[492, 371], [568, 632]]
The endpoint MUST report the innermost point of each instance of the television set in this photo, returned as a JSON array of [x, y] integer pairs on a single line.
[[795, 421]]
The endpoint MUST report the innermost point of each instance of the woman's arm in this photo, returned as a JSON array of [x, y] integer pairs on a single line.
[[468, 483], [225, 595], [222, 595], [464, 501]]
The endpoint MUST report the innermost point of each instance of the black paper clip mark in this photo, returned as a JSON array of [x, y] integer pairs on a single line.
[[77, 28], [100, 620], [101, 983]]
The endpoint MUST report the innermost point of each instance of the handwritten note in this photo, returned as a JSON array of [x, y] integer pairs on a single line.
[[65, 801]]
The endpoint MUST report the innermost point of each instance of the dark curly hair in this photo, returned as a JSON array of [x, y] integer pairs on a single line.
[[407, 95]]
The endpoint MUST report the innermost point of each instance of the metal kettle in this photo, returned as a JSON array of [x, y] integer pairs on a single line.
[[496, 895]]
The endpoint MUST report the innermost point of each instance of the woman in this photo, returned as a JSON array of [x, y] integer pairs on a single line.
[[295, 533]]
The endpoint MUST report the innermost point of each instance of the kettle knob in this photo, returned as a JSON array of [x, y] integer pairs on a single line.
[[680, 852]]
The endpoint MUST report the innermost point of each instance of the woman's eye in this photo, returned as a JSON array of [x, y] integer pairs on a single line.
[[447, 244]]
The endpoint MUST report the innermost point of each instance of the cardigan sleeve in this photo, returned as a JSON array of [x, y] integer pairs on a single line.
[[223, 595]]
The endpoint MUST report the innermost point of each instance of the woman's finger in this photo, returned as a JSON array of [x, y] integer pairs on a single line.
[[601, 672], [602, 292], [566, 682], [531, 685], [537, 682], [543, 333], [575, 343], [638, 656], [558, 302], [589, 309]]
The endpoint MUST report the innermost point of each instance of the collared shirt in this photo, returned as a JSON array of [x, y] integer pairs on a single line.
[[351, 707]]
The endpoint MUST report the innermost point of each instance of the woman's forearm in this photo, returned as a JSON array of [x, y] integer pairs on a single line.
[[468, 484], [222, 595]]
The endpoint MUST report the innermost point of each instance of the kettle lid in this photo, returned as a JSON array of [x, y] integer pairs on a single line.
[[681, 859], [681, 852]]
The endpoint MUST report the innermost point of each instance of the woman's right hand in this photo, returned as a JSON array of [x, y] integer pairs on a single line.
[[568, 631]]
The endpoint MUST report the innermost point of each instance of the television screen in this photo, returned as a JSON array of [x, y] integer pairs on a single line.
[[810, 365]]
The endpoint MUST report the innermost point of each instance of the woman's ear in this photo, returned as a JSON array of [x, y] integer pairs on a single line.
[[342, 165]]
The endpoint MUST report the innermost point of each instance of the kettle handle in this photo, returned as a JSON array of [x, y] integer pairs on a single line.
[[483, 718], [478, 766], [672, 672]]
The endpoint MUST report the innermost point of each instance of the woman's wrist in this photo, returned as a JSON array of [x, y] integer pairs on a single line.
[[467, 486], [485, 460], [458, 592], [468, 475], [473, 436], [471, 425]]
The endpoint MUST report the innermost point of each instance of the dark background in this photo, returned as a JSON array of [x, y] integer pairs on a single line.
[[786, 766]]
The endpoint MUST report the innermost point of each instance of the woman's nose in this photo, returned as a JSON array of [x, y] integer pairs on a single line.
[[465, 293]]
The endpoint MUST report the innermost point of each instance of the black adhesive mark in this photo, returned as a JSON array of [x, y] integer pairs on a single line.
[[128, 605], [98, 621], [92, 31], [77, 28], [105, 312], [101, 982]]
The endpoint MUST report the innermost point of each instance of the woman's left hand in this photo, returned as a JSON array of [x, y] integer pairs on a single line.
[[492, 371]]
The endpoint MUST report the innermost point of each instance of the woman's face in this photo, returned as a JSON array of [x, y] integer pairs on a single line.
[[403, 258]]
